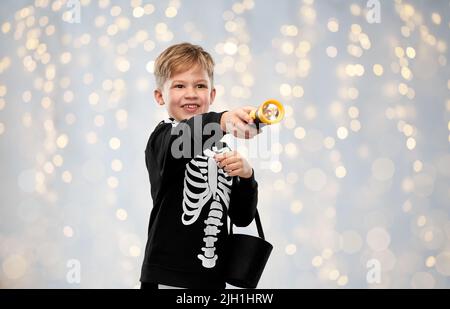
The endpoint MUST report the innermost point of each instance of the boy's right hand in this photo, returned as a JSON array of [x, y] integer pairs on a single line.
[[239, 123]]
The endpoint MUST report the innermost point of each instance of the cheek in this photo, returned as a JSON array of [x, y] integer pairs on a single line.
[[206, 97], [173, 97]]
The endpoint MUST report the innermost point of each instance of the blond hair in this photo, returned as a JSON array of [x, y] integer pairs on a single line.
[[180, 58]]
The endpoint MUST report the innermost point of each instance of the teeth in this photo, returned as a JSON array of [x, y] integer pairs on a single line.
[[190, 105]]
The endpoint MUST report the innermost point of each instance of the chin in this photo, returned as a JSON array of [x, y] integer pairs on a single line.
[[198, 111], [190, 115]]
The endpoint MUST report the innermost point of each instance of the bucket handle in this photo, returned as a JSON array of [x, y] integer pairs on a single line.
[[258, 225]]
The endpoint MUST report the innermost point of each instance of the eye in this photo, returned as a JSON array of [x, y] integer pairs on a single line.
[[178, 86], [202, 86]]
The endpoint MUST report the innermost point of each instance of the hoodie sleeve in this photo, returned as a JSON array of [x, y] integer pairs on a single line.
[[170, 147], [243, 201]]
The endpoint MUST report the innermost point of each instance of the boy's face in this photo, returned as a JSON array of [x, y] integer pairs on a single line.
[[186, 94]]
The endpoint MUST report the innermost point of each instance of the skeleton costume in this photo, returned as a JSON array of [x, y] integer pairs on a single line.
[[192, 199]]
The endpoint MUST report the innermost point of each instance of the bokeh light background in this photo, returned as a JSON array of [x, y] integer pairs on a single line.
[[363, 163]]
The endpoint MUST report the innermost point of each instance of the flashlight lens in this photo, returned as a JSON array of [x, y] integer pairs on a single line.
[[271, 111]]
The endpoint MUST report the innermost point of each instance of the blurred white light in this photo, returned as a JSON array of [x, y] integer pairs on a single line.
[[378, 239], [14, 266]]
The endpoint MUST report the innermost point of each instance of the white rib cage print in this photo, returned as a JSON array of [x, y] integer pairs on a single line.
[[204, 181]]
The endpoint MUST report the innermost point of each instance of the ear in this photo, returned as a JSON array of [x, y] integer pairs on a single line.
[[212, 96], [158, 96]]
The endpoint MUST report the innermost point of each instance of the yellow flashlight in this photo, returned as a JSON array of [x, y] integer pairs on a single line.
[[270, 112]]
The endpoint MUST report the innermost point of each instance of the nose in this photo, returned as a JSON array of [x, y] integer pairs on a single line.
[[191, 93]]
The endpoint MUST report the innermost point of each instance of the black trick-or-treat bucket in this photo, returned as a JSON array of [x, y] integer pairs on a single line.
[[247, 256]]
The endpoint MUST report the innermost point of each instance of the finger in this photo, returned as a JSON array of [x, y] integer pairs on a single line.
[[247, 131], [244, 116], [242, 128], [229, 154], [249, 110], [235, 172], [234, 129], [230, 125], [233, 166], [221, 156], [252, 131], [218, 156], [228, 161]]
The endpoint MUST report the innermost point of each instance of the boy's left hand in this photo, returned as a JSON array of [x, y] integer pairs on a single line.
[[234, 164]]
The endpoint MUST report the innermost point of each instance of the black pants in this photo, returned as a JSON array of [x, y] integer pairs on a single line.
[[149, 286]]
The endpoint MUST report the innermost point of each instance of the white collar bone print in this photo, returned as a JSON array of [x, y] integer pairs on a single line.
[[204, 181], [171, 121]]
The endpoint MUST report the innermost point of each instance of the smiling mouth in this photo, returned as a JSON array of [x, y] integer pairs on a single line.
[[190, 107]]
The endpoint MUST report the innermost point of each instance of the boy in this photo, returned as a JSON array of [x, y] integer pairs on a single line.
[[196, 182]]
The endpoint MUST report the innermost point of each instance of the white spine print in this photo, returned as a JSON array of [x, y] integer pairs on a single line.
[[210, 182]]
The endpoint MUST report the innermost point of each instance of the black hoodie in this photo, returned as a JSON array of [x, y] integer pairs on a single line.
[[192, 199]]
